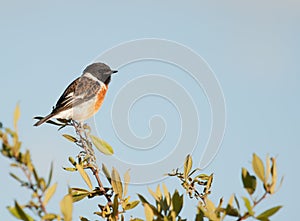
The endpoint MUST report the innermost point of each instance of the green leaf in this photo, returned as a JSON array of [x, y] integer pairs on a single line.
[[49, 193], [50, 175], [270, 212], [66, 207], [20, 213], [249, 181], [248, 206], [106, 173], [13, 211], [70, 138], [177, 202], [78, 194], [187, 166], [115, 206], [167, 194], [142, 199], [258, 167], [148, 212], [84, 175], [102, 145], [17, 114], [116, 183], [237, 202], [16, 178]]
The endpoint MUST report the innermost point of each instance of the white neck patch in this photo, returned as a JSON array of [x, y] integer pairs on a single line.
[[90, 76]]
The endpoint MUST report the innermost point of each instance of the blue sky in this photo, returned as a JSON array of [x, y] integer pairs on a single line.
[[252, 47]]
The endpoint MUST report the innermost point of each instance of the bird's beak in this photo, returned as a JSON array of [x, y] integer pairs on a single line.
[[114, 71]]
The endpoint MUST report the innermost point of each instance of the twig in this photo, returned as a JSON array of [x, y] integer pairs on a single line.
[[255, 203]]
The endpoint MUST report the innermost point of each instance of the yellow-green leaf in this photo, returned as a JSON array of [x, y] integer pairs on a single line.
[[49, 193], [155, 196], [249, 181], [106, 173], [17, 114], [21, 213], [148, 212], [49, 216], [167, 194], [126, 182], [102, 145], [187, 166], [13, 211], [69, 169], [66, 207], [78, 194], [84, 175], [258, 167], [274, 175], [177, 202], [70, 138], [131, 205], [116, 183], [270, 212], [248, 206]]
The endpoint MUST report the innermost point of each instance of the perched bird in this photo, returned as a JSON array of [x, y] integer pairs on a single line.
[[84, 96]]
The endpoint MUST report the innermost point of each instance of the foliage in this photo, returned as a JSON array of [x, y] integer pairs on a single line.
[[166, 206]]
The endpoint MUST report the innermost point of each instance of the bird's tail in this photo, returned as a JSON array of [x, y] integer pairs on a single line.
[[43, 120]]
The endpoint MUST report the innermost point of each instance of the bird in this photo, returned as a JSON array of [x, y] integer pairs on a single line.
[[84, 96]]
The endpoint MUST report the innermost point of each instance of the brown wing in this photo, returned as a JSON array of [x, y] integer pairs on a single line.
[[80, 90]]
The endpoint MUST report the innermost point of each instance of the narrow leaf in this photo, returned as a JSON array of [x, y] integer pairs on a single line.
[[258, 167], [131, 205], [16, 177], [274, 175], [84, 175], [78, 194], [21, 213], [126, 182], [187, 166], [66, 207], [69, 169], [167, 194], [270, 212], [106, 173], [102, 145], [248, 206], [148, 212], [50, 175], [115, 206], [116, 183], [49, 193], [17, 114], [70, 138], [49, 216]]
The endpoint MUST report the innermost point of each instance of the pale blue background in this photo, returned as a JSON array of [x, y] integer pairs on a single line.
[[252, 46]]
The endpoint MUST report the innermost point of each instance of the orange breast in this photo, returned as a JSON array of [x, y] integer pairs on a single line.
[[100, 97]]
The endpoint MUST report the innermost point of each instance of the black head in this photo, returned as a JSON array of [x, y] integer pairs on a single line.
[[101, 71]]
